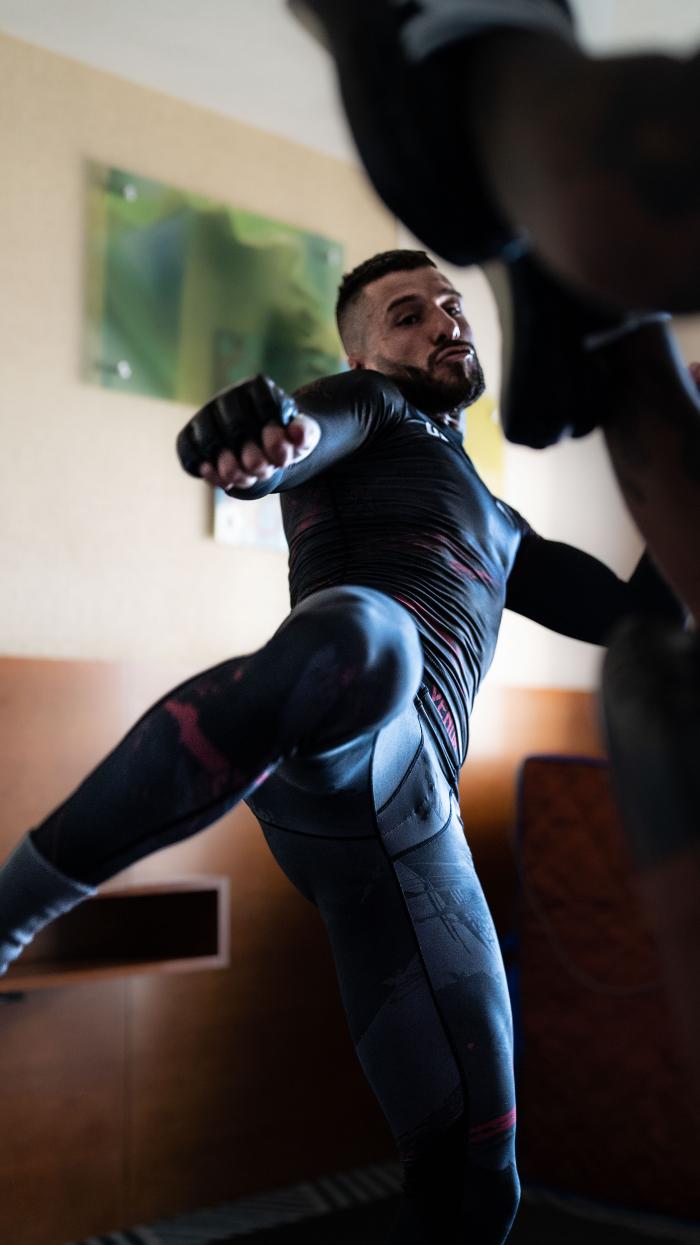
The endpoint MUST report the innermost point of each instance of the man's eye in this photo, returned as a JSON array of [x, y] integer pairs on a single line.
[[453, 309], [411, 318]]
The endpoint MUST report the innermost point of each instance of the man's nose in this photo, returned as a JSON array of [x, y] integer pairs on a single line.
[[444, 326]]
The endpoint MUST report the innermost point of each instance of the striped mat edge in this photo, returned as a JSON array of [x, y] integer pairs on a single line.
[[343, 1190], [292, 1204]]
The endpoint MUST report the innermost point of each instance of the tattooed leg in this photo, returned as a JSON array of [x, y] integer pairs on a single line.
[[598, 160]]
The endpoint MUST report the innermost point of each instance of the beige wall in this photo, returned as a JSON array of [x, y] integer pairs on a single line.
[[104, 542]]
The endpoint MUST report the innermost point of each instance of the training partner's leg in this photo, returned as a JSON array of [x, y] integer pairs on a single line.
[[481, 122], [597, 160]]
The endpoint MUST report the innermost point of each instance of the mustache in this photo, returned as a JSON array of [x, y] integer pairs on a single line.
[[455, 345]]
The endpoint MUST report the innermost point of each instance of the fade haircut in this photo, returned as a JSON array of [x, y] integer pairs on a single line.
[[348, 309]]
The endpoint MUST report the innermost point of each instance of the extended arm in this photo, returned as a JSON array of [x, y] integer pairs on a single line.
[[573, 593], [254, 439]]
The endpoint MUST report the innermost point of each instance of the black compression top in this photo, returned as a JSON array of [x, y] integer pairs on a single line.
[[390, 499]]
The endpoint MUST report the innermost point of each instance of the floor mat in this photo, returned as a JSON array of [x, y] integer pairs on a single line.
[[300, 1203], [360, 1206]]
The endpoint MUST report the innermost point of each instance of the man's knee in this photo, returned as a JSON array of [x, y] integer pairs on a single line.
[[375, 637]]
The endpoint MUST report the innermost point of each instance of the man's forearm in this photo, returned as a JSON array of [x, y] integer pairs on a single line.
[[253, 438], [349, 409]]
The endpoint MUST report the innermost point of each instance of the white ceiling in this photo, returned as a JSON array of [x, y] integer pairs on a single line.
[[246, 58], [249, 59]]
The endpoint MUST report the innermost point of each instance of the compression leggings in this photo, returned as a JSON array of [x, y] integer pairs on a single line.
[[323, 733]]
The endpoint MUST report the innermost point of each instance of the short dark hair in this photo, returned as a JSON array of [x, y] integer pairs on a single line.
[[353, 283]]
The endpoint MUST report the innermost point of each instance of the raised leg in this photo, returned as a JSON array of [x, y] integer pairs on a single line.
[[597, 160], [484, 126], [343, 664]]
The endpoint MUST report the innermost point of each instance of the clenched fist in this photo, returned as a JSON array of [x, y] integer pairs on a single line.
[[245, 434]]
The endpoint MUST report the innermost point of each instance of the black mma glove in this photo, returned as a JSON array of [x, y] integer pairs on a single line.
[[232, 418]]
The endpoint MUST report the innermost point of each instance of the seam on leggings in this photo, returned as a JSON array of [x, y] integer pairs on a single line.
[[409, 817], [424, 842], [419, 951], [413, 762], [327, 838]]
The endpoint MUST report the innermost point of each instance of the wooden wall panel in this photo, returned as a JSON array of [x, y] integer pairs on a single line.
[[57, 720], [162, 1094], [63, 1103], [246, 1077], [509, 724]]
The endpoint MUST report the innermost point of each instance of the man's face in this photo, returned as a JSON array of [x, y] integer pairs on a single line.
[[417, 334]]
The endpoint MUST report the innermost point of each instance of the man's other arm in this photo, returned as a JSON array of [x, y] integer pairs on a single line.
[[571, 592]]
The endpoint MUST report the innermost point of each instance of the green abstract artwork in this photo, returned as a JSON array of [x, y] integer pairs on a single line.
[[185, 296]]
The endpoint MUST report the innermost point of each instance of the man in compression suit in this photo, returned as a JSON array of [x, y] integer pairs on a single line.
[[345, 733]]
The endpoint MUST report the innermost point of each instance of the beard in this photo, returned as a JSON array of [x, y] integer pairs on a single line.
[[438, 394]]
